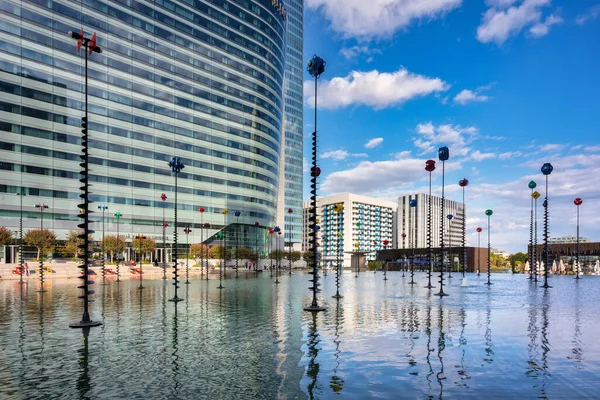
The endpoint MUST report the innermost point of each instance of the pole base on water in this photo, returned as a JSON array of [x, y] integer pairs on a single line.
[[42, 291], [315, 308], [176, 299], [464, 283], [441, 294], [337, 296], [82, 324], [546, 286]]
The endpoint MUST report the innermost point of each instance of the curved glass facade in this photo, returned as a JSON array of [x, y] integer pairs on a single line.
[[199, 79]]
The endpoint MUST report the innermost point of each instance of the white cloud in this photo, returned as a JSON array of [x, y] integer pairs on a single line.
[[591, 13], [591, 149], [455, 137], [509, 155], [355, 51], [341, 155], [467, 96], [375, 89], [542, 28], [500, 23], [551, 147], [374, 143], [377, 18], [479, 156]]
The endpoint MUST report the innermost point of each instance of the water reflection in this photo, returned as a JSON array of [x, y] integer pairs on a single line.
[[441, 347], [313, 367], [337, 383], [175, 354], [84, 381], [577, 351]]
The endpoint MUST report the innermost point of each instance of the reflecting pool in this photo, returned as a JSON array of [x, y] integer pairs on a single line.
[[252, 340]]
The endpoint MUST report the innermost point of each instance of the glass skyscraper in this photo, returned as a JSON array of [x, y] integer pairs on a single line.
[[202, 80]]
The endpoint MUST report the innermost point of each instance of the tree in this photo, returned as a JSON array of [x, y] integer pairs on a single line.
[[43, 241], [145, 244], [5, 236], [296, 255], [114, 244], [278, 255], [244, 253], [198, 250], [308, 257], [497, 261], [73, 242], [216, 252], [519, 258]]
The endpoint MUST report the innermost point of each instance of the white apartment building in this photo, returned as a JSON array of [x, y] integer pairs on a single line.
[[412, 221], [377, 222]]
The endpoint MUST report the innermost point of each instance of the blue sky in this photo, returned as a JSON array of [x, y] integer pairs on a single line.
[[507, 85]]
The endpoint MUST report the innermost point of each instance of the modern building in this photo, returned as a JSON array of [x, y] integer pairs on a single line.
[[412, 221], [567, 239], [290, 171], [197, 79], [363, 224]]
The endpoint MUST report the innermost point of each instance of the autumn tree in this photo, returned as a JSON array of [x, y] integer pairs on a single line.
[[73, 242], [145, 244], [216, 252], [5, 236], [198, 250], [43, 241], [244, 253], [114, 244]]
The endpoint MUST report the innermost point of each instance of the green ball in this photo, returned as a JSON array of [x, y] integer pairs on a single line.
[[488, 212]]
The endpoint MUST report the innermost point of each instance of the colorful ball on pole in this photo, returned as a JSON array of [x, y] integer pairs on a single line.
[[488, 212], [412, 203], [316, 66], [256, 223], [532, 185], [535, 195], [450, 216], [463, 182], [429, 165], [237, 213], [479, 230], [443, 153], [386, 242], [289, 210], [315, 171], [578, 201], [201, 209], [163, 197], [547, 169]]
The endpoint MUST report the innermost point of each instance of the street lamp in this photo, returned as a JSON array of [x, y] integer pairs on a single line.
[[316, 66], [429, 167], [489, 261], [237, 241], [531, 186], [21, 195], [176, 166], [187, 231], [443, 155], [42, 207], [546, 170], [413, 204], [118, 216], [103, 207], [141, 239], [463, 183], [89, 45], [577, 202], [163, 197], [478, 250], [290, 211]]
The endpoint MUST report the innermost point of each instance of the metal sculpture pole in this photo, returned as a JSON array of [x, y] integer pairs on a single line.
[[450, 258], [201, 209], [430, 167], [90, 47], [338, 208], [404, 248], [385, 243], [21, 267], [316, 66], [277, 230], [237, 241], [103, 207], [42, 207], [163, 197], [531, 186], [187, 231], [536, 196], [290, 211], [413, 242], [118, 216], [223, 238], [357, 246], [207, 226], [489, 260], [279, 255], [479, 251], [257, 227], [577, 202], [546, 170], [176, 166], [443, 155], [463, 183], [271, 231], [141, 238]]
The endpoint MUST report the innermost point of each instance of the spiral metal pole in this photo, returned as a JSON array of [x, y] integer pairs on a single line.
[[118, 238], [237, 243], [187, 255], [42, 206], [531, 250], [164, 240], [577, 248], [84, 206], [535, 250], [21, 237], [489, 260], [546, 252], [464, 235], [442, 225], [478, 253], [176, 168], [413, 245]]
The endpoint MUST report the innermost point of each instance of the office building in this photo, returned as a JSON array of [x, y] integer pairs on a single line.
[[197, 79], [412, 222]]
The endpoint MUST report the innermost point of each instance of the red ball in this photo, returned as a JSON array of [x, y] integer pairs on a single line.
[[578, 201], [315, 171], [479, 229], [429, 165], [201, 209]]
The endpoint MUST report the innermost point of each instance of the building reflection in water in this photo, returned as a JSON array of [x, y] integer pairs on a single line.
[[337, 383]]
